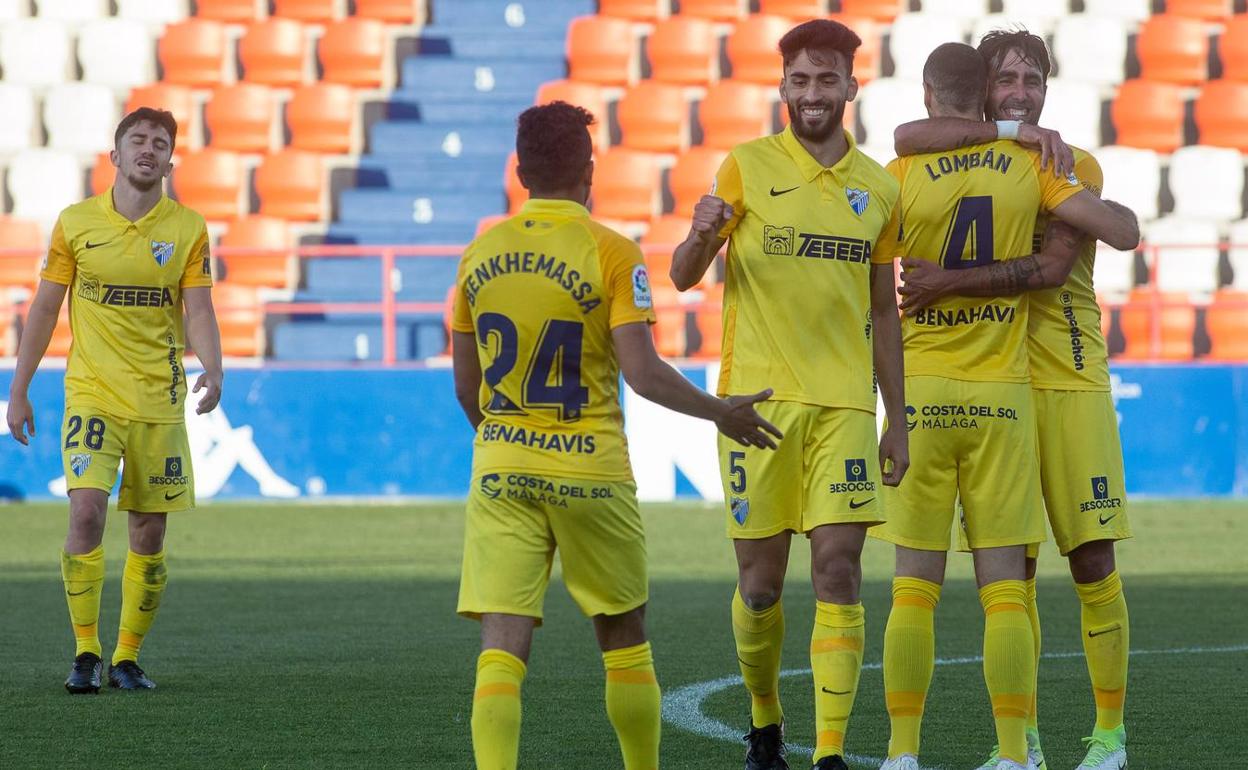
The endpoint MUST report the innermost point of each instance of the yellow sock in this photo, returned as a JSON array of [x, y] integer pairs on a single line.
[[496, 710], [633, 705], [83, 574], [1009, 663], [909, 658], [759, 637], [836, 660], [1106, 640], [1033, 615], [142, 585]]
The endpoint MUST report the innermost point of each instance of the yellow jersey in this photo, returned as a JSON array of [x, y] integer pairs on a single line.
[[968, 208], [797, 296], [125, 284], [1064, 340], [541, 292]]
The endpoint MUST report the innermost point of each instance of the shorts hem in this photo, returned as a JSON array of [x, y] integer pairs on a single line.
[[128, 506], [475, 614], [907, 542], [1004, 542], [872, 520], [1065, 549], [760, 534], [89, 485], [615, 609]]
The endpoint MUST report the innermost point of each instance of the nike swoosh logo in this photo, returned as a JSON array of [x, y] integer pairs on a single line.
[[80, 593], [1104, 631], [1105, 519], [834, 692], [775, 192], [854, 504], [747, 665], [91, 245], [171, 497]]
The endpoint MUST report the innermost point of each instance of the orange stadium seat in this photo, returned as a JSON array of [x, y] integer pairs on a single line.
[[517, 193], [684, 49], [797, 9], [655, 117], [670, 320], [260, 267], [236, 11], [626, 185], [719, 10], [637, 10], [1233, 48], [733, 112], [752, 50], [322, 118], [311, 11], [693, 176], [353, 52], [485, 223], [193, 53], [240, 118], [1208, 10], [20, 271], [240, 317], [659, 266], [389, 11], [103, 173], [591, 96], [869, 55], [1227, 323], [667, 230], [291, 185], [709, 318], [62, 335], [1176, 324], [880, 10], [1149, 115], [8, 327], [602, 50], [178, 100], [211, 182], [274, 52], [1222, 114], [1174, 49]]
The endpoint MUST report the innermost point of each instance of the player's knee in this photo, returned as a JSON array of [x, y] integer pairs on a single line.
[[760, 596], [147, 532], [838, 573], [1092, 562]]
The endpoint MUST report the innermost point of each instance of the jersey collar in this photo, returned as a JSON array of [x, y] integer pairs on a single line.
[[552, 207], [145, 224], [811, 168]]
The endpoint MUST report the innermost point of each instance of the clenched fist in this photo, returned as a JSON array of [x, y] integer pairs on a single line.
[[709, 216]]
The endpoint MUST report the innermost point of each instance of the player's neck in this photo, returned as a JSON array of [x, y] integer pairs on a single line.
[[827, 152], [941, 111], [132, 203]]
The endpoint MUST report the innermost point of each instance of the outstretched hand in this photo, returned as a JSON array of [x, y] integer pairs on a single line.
[[743, 424]]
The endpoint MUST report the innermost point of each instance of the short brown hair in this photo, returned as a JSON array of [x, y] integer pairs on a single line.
[[1030, 48], [553, 146], [820, 35], [162, 118], [958, 76]]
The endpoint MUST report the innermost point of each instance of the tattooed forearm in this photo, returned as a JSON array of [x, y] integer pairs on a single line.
[[1015, 276]]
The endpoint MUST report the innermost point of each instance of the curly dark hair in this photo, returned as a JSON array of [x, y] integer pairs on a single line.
[[958, 76], [1030, 48], [553, 146], [162, 118], [820, 35]]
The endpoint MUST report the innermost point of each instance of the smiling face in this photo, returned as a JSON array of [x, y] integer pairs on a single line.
[[815, 88], [1016, 89], [143, 155]]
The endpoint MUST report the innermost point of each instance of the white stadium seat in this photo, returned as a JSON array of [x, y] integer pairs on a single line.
[[1051, 10], [962, 9], [880, 153], [886, 103], [1207, 183], [1113, 271], [915, 35], [1192, 264], [34, 52], [1074, 109], [1239, 254], [1090, 49], [153, 11], [1038, 25], [17, 105], [12, 9], [72, 11], [80, 117], [117, 52], [1124, 10], [1132, 177], [42, 183]]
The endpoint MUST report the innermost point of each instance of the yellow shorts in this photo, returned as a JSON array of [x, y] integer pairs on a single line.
[[826, 470], [517, 520], [973, 442], [156, 477]]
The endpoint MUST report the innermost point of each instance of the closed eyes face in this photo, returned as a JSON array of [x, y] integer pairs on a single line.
[[144, 154]]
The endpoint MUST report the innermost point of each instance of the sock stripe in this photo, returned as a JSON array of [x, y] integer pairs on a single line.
[[836, 644], [496, 689], [921, 602], [1005, 607], [630, 676], [85, 631], [1016, 706], [1109, 699], [829, 738], [128, 640], [905, 704]]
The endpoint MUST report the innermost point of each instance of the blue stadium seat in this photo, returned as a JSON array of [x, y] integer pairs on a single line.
[[407, 172], [491, 14], [425, 279], [407, 105], [358, 339], [453, 77], [510, 42], [333, 279], [404, 137], [406, 208], [410, 234]]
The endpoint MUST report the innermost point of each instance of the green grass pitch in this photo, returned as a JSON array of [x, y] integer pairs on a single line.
[[325, 636]]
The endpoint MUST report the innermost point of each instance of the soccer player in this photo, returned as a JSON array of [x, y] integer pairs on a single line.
[[971, 410], [809, 307], [1082, 480], [135, 261], [550, 308]]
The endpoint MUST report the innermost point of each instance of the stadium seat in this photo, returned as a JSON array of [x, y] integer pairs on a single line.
[[591, 96], [1157, 326], [1120, 10], [880, 10], [240, 318], [684, 49], [240, 118], [291, 185], [1091, 49], [62, 335], [13, 9], [261, 266], [310, 11], [8, 328], [752, 50], [117, 52], [626, 185], [794, 9], [71, 11], [1226, 321], [390, 11], [80, 117], [43, 182], [1183, 255], [602, 50], [274, 52], [485, 223], [178, 100], [35, 52], [1074, 107], [323, 117], [103, 173], [1222, 114], [1208, 10], [1233, 48], [1149, 115], [733, 112], [236, 11], [1050, 10], [154, 11], [693, 176], [964, 10], [1132, 177], [19, 273], [1207, 183], [193, 53], [1174, 49], [914, 36], [211, 182], [670, 321], [870, 55], [353, 52], [17, 105], [1032, 22], [719, 10], [667, 230], [637, 10], [1238, 254], [654, 117], [1113, 271], [885, 104], [709, 318]]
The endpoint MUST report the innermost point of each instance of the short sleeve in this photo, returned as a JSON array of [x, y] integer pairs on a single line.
[[461, 311], [198, 270], [888, 247], [730, 189], [59, 265], [1054, 190], [1089, 172], [629, 299]]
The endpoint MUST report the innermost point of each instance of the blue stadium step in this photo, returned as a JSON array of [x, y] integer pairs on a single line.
[[410, 234], [396, 137], [508, 14], [425, 279], [526, 42], [374, 206], [421, 279], [404, 172], [434, 76], [358, 339], [409, 105]]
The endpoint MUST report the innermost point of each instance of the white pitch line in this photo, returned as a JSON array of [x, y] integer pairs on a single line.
[[682, 707]]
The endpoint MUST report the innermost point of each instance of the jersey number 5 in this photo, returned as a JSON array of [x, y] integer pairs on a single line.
[[972, 221], [552, 379]]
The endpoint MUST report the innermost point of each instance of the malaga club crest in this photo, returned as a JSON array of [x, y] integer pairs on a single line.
[[858, 199], [162, 251], [79, 464]]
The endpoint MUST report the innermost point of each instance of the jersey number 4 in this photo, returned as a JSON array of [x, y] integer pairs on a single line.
[[972, 222], [552, 379]]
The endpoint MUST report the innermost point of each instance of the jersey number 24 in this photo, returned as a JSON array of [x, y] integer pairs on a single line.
[[552, 377]]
